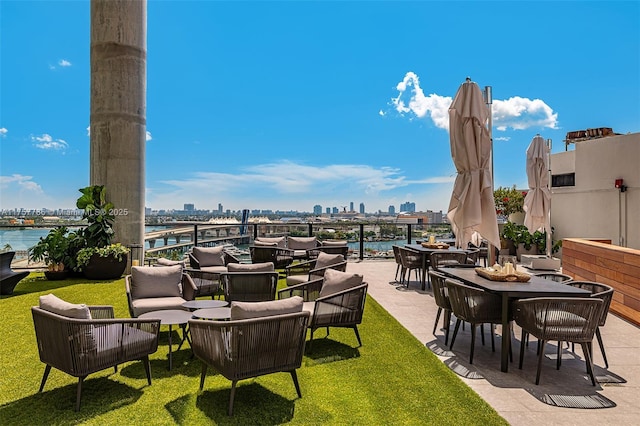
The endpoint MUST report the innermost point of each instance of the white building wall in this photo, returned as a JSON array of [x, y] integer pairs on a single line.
[[594, 208]]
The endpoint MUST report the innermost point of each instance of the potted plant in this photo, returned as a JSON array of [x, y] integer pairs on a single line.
[[509, 202], [99, 259], [53, 251]]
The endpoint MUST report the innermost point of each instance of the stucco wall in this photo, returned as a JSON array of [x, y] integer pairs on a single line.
[[594, 208]]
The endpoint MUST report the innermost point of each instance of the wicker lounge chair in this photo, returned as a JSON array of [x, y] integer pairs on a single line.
[[261, 338], [206, 265], [336, 300], [9, 278], [248, 286], [314, 269], [156, 288], [80, 347]]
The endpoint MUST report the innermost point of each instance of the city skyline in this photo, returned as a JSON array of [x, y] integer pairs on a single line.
[[292, 104]]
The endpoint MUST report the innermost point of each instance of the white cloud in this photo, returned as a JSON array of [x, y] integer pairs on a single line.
[[88, 130], [47, 142], [415, 102], [502, 138], [516, 112], [64, 63], [258, 185], [3, 132], [148, 136], [21, 182], [522, 113]]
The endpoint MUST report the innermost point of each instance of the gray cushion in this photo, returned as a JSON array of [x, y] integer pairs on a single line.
[[334, 243], [141, 306], [297, 279], [214, 269], [264, 244], [58, 306], [302, 243], [163, 261], [209, 256], [280, 241], [247, 310], [251, 267], [336, 281], [325, 260], [156, 282]]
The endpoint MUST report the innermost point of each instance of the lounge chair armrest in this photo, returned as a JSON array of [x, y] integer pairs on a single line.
[[302, 289], [193, 262], [300, 268], [102, 312], [189, 288]]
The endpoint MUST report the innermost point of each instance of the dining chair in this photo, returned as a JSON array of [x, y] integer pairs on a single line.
[[441, 297], [605, 293], [441, 258], [561, 319], [398, 260], [473, 255], [554, 276], [476, 307], [411, 261]]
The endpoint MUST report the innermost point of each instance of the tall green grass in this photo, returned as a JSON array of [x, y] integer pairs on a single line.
[[391, 379]]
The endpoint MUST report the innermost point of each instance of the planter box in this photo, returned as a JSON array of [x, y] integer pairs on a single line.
[[541, 262], [104, 268]]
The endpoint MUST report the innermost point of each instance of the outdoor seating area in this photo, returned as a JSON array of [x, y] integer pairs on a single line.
[[345, 312]]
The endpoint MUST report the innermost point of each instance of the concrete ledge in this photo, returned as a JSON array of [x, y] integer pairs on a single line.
[[609, 264]]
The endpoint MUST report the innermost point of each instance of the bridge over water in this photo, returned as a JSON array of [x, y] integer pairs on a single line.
[[196, 234]]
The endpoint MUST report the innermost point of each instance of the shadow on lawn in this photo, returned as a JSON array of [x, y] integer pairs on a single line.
[[325, 350], [254, 404], [57, 405], [39, 283]]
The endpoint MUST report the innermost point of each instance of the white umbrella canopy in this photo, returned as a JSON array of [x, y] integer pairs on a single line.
[[472, 207], [537, 202]]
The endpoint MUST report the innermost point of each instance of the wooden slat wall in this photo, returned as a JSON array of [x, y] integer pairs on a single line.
[[616, 266]]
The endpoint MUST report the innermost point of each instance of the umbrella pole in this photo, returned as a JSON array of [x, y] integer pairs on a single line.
[[488, 98], [549, 236]]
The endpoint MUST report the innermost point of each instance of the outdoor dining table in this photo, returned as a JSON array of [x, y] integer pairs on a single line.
[[536, 287], [425, 253]]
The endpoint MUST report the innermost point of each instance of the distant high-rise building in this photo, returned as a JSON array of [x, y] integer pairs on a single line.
[[435, 217], [408, 207], [189, 207], [392, 210], [220, 208], [335, 210], [317, 209], [361, 208], [328, 210], [351, 206]]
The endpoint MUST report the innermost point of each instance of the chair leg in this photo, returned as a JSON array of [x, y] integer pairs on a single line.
[[355, 329], [493, 341], [447, 326], [310, 340], [435, 326], [604, 354], [455, 333], [233, 394], [294, 376], [482, 333], [47, 369], [559, 356], [473, 342], [540, 356], [522, 345], [79, 392], [203, 374], [147, 369], [589, 362]]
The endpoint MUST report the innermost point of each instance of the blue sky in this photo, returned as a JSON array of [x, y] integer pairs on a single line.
[[284, 105]]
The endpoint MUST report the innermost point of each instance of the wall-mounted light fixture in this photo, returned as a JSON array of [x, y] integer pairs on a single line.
[[620, 185]]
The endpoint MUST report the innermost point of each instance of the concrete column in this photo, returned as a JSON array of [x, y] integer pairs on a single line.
[[118, 110]]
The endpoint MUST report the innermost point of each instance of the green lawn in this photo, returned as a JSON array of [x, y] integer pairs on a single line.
[[391, 379]]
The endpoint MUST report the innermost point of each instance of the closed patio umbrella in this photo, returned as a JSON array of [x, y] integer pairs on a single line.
[[537, 202], [472, 207]]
